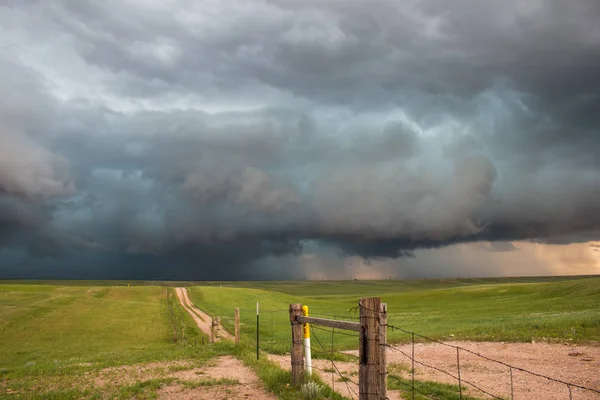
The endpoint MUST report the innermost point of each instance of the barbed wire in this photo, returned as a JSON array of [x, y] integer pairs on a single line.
[[374, 314], [446, 372], [512, 367], [313, 367], [338, 332], [412, 387], [334, 316], [344, 379]]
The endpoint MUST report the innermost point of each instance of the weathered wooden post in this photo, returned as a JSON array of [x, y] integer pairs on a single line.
[[382, 351], [237, 326], [217, 328], [369, 386], [297, 339], [213, 327]]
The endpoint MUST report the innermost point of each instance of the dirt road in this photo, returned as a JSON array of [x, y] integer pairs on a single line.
[[223, 377], [203, 320], [576, 364], [244, 384]]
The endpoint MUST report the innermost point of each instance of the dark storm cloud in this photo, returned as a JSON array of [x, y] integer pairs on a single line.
[[208, 136]]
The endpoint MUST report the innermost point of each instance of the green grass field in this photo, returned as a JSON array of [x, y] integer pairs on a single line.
[[79, 323], [54, 333], [557, 309]]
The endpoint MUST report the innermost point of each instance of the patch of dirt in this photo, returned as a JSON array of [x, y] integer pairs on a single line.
[[203, 320], [130, 374], [575, 364], [249, 386]]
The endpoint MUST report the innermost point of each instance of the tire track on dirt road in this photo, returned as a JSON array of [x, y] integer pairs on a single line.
[[247, 386], [203, 321]]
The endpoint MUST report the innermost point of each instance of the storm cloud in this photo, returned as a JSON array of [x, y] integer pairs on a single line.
[[182, 139]]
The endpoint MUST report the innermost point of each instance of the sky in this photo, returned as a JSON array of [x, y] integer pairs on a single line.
[[307, 139]]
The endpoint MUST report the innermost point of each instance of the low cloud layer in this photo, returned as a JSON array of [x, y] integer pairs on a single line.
[[207, 139]]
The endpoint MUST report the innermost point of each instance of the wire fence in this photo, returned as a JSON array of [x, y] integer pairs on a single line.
[[326, 346], [183, 333], [569, 386]]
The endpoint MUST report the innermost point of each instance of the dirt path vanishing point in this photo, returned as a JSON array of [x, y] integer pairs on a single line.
[[203, 320], [247, 385]]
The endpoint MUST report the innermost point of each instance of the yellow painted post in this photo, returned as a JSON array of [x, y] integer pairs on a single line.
[[306, 329]]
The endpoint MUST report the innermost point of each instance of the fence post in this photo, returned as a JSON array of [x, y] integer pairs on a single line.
[[217, 328], [307, 353], [382, 351], [369, 383], [237, 326], [212, 330], [297, 339]]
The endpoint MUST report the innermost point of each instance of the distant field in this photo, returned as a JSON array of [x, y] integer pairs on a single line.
[[557, 309]]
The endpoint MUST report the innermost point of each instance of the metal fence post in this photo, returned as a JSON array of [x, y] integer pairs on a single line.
[[237, 326], [383, 379]]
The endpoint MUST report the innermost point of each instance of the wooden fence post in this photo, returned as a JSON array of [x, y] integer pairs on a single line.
[[212, 330], [369, 383], [237, 326], [217, 328], [297, 341], [383, 351]]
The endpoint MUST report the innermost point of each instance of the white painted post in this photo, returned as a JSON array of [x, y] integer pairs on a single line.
[[307, 355]]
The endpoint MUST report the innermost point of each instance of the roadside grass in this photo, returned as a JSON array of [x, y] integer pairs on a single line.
[[547, 309], [428, 389], [277, 380], [144, 389], [210, 382], [181, 323]]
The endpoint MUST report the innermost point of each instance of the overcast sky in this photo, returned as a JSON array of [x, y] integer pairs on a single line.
[[299, 139]]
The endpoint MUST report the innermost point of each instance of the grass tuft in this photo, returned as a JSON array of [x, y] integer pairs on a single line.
[[209, 382]]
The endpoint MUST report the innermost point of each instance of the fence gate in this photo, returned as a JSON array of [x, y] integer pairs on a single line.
[[372, 374]]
